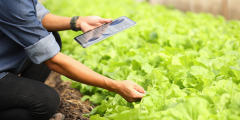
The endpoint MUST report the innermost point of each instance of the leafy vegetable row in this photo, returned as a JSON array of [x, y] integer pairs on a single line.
[[189, 63]]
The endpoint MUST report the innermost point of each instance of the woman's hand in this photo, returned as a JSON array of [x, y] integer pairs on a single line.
[[129, 90], [90, 22]]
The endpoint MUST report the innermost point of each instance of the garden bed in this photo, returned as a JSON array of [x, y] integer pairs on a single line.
[[70, 99]]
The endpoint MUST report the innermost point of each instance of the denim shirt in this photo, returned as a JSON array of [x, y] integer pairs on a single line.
[[22, 35]]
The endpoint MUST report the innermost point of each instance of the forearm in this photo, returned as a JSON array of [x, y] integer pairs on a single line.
[[53, 22], [74, 70]]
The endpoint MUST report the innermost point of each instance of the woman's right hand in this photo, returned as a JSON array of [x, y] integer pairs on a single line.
[[129, 90]]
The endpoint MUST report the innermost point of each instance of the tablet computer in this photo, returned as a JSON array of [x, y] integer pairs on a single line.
[[106, 30]]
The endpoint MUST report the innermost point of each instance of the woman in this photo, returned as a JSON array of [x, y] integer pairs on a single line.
[[27, 54]]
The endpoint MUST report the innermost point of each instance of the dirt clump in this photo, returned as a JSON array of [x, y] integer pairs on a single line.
[[70, 99]]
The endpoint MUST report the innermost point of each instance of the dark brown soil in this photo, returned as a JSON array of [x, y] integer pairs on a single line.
[[70, 99]]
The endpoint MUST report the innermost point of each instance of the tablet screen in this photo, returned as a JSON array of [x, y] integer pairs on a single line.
[[104, 31]]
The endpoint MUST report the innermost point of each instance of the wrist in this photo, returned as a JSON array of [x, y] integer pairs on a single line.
[[73, 23], [79, 22], [112, 85]]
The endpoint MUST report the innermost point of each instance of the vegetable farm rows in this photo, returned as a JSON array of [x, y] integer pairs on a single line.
[[188, 63]]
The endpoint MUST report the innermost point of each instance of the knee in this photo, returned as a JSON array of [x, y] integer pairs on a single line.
[[51, 101], [47, 104]]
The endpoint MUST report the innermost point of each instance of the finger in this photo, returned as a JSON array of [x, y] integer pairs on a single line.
[[105, 20], [138, 95], [98, 24], [139, 92], [139, 89], [95, 25], [135, 100]]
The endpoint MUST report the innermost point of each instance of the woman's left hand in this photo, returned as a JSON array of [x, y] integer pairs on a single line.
[[90, 22]]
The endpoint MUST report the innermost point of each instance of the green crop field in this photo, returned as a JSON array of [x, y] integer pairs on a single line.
[[188, 63]]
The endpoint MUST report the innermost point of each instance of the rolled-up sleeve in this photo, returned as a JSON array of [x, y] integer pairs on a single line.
[[23, 25], [41, 11], [43, 50]]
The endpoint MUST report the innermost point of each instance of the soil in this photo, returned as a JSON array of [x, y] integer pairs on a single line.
[[70, 99]]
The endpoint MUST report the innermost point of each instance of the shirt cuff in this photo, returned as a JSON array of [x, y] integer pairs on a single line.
[[43, 50], [41, 11]]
